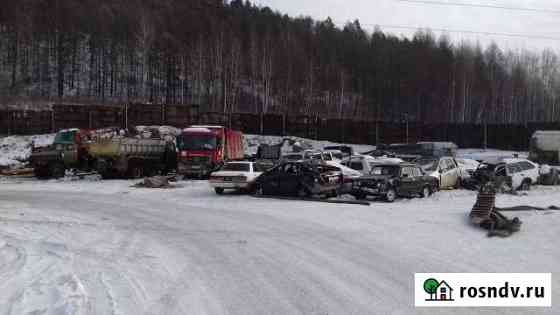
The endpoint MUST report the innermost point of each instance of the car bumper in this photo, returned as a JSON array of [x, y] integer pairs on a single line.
[[230, 185], [194, 169]]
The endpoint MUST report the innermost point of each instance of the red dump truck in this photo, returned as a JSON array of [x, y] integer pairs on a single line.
[[204, 149]]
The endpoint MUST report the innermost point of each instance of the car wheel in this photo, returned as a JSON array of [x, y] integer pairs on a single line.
[[258, 190], [135, 171], [391, 195], [219, 190], [57, 170], [526, 185], [426, 192]]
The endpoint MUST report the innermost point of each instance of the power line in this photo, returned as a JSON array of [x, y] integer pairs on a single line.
[[487, 6], [462, 31], [473, 32]]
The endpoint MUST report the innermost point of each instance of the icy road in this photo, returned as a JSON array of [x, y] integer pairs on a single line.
[[106, 248]]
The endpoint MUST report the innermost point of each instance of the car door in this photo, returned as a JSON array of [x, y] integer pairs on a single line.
[[418, 179], [290, 179], [409, 183], [270, 181], [530, 171], [454, 172], [448, 173], [443, 176], [513, 170]]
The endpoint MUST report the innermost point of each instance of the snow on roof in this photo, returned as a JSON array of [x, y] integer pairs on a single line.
[[69, 130], [207, 126], [547, 133], [197, 129]]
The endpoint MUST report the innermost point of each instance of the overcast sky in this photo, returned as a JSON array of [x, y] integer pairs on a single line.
[[479, 19]]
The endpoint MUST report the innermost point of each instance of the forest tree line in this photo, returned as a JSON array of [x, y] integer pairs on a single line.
[[236, 57]]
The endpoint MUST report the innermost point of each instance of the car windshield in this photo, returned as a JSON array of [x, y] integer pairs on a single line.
[[236, 167], [327, 157], [428, 165], [64, 137], [197, 142], [385, 170]]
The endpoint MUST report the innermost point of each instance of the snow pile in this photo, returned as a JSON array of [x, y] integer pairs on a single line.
[[481, 154], [165, 132], [15, 150], [252, 142]]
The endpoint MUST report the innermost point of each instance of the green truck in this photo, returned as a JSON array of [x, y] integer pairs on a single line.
[[116, 156], [68, 151]]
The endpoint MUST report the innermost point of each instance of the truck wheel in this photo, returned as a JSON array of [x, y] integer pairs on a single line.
[[219, 191], [57, 170], [41, 172], [136, 171], [391, 195]]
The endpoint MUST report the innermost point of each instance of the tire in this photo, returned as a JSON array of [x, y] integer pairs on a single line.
[[426, 192], [258, 190], [525, 185], [391, 195], [135, 170], [42, 173], [57, 170], [219, 191]]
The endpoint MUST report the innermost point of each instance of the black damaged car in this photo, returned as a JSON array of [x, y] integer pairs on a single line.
[[300, 179], [391, 181]]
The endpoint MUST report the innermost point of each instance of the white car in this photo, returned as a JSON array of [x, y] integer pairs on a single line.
[[443, 168], [523, 173], [520, 174], [467, 167], [236, 176]]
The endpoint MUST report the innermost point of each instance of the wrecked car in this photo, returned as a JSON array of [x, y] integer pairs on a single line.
[[444, 169], [300, 179], [391, 181], [509, 174]]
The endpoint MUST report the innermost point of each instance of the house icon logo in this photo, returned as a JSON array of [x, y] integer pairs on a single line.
[[439, 291]]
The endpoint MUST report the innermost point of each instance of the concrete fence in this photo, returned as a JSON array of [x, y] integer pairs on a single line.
[[512, 137]]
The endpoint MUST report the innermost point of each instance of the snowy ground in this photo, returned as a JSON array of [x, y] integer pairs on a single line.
[[106, 248]]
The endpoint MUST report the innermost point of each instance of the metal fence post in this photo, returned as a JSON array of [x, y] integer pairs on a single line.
[[126, 116], [377, 133], [485, 145], [53, 127]]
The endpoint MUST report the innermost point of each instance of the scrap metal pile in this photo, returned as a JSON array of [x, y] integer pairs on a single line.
[[486, 215]]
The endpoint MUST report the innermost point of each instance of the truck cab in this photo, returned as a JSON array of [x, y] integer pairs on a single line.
[[204, 149], [67, 151]]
